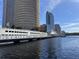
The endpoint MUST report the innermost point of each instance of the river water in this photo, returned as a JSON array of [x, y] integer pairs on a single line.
[[54, 48]]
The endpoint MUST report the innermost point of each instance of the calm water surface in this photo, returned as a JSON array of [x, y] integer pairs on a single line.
[[55, 48]]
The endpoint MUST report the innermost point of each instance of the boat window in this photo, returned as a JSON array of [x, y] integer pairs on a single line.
[[9, 31], [6, 30], [15, 31]]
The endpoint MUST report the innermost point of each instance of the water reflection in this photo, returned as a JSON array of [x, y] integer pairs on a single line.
[[20, 51], [43, 49], [55, 48], [47, 49]]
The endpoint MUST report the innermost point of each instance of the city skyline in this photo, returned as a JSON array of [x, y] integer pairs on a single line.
[[65, 13]]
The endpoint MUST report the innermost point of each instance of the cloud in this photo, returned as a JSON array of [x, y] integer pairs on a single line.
[[71, 27], [51, 4]]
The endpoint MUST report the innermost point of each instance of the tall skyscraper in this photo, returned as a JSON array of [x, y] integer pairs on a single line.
[[57, 28], [49, 21], [21, 14]]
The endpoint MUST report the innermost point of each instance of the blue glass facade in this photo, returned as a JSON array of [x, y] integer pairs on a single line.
[[49, 21]]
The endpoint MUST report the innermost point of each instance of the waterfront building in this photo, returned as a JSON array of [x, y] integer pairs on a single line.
[[43, 28], [57, 28], [49, 21], [63, 33], [22, 14]]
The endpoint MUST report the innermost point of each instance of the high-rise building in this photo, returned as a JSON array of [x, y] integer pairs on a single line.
[[22, 14], [43, 28], [57, 28], [49, 21]]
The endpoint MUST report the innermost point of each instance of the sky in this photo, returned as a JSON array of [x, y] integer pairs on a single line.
[[1, 12], [66, 13]]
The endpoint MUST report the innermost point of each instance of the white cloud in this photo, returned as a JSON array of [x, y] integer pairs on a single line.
[[71, 27], [52, 4]]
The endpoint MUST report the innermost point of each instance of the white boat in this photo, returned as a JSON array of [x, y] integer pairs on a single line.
[[7, 34]]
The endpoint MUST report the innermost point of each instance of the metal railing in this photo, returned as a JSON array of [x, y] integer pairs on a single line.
[[19, 34]]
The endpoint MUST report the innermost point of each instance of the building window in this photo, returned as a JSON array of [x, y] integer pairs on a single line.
[[48, 19]]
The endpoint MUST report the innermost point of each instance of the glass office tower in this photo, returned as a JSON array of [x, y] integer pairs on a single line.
[[49, 21]]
